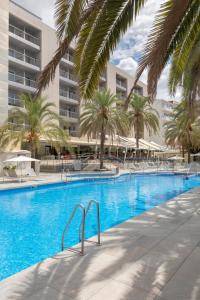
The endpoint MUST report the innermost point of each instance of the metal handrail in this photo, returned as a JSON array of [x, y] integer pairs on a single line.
[[82, 226], [98, 222]]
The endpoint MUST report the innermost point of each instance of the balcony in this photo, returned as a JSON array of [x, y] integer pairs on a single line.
[[121, 96], [14, 101], [68, 113], [24, 35], [121, 84], [69, 96], [74, 133], [25, 58], [69, 58], [138, 90], [68, 76], [22, 80], [17, 126]]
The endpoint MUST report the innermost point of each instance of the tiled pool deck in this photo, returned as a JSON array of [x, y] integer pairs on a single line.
[[155, 256]]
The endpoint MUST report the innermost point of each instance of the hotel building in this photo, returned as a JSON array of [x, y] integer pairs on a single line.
[[27, 45], [164, 108]]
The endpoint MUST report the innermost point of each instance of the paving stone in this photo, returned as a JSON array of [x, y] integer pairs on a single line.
[[79, 284], [185, 284], [142, 276], [24, 283], [49, 293], [120, 291]]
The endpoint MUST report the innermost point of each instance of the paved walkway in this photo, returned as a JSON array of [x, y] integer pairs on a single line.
[[155, 256]]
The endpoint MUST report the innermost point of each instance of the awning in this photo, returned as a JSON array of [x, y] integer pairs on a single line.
[[143, 144]]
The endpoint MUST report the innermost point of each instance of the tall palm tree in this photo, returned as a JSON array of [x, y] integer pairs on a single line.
[[183, 128], [142, 115], [175, 135], [101, 117], [98, 26], [37, 119]]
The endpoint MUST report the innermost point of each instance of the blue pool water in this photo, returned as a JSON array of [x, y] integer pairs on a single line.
[[32, 219]]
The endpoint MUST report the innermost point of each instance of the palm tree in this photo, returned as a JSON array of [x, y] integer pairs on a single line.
[[100, 117], [98, 26], [141, 115], [188, 78], [37, 119], [5, 136], [175, 135], [183, 128], [175, 33]]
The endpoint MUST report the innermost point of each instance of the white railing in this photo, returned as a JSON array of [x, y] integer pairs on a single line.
[[23, 34], [120, 83], [68, 113], [15, 101], [68, 75], [68, 57], [18, 126], [23, 57], [74, 133], [138, 91], [22, 80], [68, 94]]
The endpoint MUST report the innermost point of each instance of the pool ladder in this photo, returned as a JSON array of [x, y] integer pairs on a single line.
[[82, 240]]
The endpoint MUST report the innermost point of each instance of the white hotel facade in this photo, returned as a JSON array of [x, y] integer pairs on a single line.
[[27, 45]]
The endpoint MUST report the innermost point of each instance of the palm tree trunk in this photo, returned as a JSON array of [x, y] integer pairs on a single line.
[[183, 151], [189, 156], [137, 135], [102, 146], [128, 99], [188, 148]]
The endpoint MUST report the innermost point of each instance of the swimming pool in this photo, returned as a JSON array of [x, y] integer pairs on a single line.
[[32, 219]]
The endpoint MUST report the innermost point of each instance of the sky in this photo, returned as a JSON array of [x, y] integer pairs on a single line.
[[131, 45]]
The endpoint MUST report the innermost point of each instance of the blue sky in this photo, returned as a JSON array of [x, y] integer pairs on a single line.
[[129, 49]]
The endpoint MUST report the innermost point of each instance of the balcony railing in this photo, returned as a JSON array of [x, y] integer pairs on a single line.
[[22, 80], [18, 126], [14, 101], [121, 83], [67, 75], [68, 57], [68, 94], [68, 113], [74, 133], [121, 96], [25, 58], [27, 36]]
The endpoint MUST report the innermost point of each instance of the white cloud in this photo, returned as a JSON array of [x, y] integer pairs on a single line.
[[132, 45]]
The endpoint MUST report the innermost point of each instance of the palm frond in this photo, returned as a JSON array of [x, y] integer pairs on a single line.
[[70, 16], [99, 37], [170, 27]]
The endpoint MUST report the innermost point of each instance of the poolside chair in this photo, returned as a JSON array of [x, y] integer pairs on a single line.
[[11, 174]]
